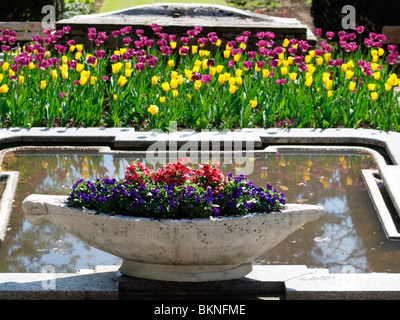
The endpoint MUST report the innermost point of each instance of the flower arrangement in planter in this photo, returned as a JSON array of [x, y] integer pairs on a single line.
[[175, 223], [176, 191]]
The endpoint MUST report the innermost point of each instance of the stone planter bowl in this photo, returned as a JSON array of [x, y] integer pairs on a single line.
[[175, 250]]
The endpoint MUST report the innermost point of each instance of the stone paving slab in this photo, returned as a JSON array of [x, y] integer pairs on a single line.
[[354, 286], [60, 286]]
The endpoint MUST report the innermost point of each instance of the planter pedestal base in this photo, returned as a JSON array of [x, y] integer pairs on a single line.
[[182, 273]]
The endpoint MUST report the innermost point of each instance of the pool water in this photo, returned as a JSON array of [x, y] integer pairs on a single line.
[[349, 236]]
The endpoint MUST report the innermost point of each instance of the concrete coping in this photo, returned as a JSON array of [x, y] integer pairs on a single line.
[[295, 282]]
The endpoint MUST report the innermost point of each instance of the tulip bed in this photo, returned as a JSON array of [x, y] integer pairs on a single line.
[[153, 80]]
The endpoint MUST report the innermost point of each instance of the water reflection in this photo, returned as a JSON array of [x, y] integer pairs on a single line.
[[348, 234]]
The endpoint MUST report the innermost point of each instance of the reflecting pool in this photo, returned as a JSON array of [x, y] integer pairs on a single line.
[[349, 234]]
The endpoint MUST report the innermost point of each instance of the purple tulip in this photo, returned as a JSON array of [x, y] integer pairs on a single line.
[[330, 35], [66, 29], [273, 63], [318, 32], [126, 41], [359, 29], [100, 54], [139, 66], [191, 33], [392, 48], [206, 78]]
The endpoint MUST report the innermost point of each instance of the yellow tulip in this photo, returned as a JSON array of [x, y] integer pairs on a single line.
[[116, 67], [374, 95], [375, 58], [239, 81], [43, 84], [328, 84], [293, 76], [6, 65], [374, 66], [31, 66], [220, 68], [231, 81], [349, 74], [253, 103], [128, 72], [374, 52], [162, 99], [311, 53], [175, 93], [3, 88], [54, 74], [83, 79], [1, 77], [122, 80], [352, 85], [171, 63], [188, 74], [212, 71], [265, 73], [194, 49], [115, 97], [381, 52], [283, 71], [227, 54], [238, 72], [154, 80], [78, 55], [320, 61], [376, 75], [307, 59], [285, 43], [309, 82], [237, 57], [174, 83], [388, 87], [327, 56], [79, 67], [64, 59], [79, 47], [153, 109], [218, 43], [93, 80], [330, 93], [197, 84], [232, 89], [165, 86], [172, 44], [221, 79], [72, 48], [344, 67], [371, 86]]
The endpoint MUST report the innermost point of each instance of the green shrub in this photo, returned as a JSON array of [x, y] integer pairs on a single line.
[[373, 14], [28, 10]]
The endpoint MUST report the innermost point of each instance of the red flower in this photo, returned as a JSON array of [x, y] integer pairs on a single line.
[[173, 173], [136, 172], [208, 175]]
